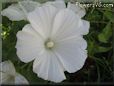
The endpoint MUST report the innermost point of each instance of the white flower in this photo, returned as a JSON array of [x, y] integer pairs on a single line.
[[54, 40], [78, 9], [19, 11], [8, 75]]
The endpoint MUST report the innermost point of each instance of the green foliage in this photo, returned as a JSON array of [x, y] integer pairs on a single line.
[[105, 35], [98, 67], [109, 15]]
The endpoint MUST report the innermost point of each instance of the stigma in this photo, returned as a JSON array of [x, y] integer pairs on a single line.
[[49, 44]]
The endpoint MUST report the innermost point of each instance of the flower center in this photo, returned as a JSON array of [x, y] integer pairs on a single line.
[[49, 44]]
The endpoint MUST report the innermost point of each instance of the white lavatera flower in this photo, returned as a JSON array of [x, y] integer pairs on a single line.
[[54, 40], [8, 74], [19, 11], [59, 4], [78, 9]]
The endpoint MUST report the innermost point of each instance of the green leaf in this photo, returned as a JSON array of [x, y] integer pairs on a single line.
[[93, 48], [90, 47], [109, 15], [100, 49], [105, 34]]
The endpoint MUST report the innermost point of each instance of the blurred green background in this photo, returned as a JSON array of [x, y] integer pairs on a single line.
[[99, 64]]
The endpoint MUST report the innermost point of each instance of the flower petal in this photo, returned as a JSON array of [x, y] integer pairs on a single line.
[[72, 53], [48, 67], [6, 78], [59, 4], [66, 24], [42, 19], [7, 67], [17, 12], [29, 44], [78, 41], [19, 79], [80, 11], [28, 6], [7, 72], [14, 13], [84, 27]]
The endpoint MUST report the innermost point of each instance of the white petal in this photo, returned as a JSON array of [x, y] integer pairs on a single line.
[[84, 27], [66, 24], [29, 44], [78, 41], [7, 67], [19, 79], [79, 10], [6, 78], [28, 6], [42, 19], [17, 12], [14, 13], [72, 53], [48, 67], [7, 72], [59, 4]]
